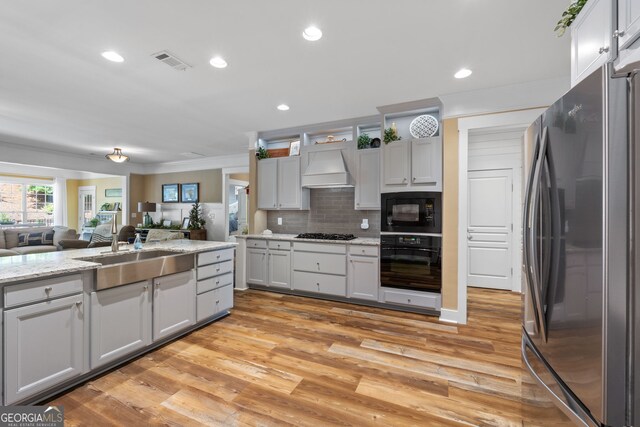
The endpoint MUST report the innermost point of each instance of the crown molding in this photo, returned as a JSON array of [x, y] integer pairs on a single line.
[[204, 163]]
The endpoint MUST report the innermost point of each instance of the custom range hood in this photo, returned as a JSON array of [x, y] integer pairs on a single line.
[[326, 169]]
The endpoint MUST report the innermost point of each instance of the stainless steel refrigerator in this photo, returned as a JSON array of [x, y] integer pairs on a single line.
[[579, 334]]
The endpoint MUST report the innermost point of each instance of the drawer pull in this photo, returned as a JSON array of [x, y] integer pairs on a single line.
[[145, 287], [409, 300], [217, 269], [218, 257], [217, 301], [48, 289], [78, 303], [318, 265], [363, 251], [217, 282]]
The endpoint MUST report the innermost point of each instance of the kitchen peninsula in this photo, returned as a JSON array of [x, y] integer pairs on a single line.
[[62, 325]]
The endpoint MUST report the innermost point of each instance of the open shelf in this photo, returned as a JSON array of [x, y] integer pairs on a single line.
[[403, 121], [344, 134]]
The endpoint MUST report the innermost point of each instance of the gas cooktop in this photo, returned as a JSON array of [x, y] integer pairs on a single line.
[[325, 236]]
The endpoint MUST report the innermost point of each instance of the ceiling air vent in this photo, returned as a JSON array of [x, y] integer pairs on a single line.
[[171, 60]]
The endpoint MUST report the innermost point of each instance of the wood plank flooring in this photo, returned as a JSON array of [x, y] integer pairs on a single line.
[[285, 360]]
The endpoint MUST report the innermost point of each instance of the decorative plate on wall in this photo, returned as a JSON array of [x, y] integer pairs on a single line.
[[423, 126]]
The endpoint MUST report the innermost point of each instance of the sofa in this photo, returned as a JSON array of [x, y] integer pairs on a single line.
[[33, 240], [101, 237]]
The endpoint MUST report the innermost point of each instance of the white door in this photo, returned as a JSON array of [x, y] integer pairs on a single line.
[[289, 196], [86, 205], [490, 229]]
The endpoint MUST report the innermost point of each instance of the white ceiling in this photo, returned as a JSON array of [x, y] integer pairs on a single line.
[[57, 92]]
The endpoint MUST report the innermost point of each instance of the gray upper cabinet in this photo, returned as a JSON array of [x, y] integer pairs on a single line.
[[396, 163], [279, 185], [413, 165], [426, 161], [367, 191], [591, 35], [44, 346], [268, 184], [120, 322], [628, 22], [174, 304]]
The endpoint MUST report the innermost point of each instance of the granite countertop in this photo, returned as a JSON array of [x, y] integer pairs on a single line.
[[24, 267], [371, 241]]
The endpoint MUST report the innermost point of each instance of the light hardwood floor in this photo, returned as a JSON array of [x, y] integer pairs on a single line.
[[285, 360]]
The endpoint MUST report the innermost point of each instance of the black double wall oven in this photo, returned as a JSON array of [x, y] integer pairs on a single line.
[[411, 241]]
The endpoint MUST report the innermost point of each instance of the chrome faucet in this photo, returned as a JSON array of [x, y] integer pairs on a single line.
[[114, 233]]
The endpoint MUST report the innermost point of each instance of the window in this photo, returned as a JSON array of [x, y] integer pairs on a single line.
[[26, 203]]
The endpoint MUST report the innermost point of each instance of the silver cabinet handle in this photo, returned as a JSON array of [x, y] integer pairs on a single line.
[[357, 204], [217, 301], [414, 178], [218, 269], [409, 300], [603, 50], [218, 257], [618, 33], [78, 303], [145, 287], [48, 289], [404, 179], [217, 282], [280, 205], [363, 251]]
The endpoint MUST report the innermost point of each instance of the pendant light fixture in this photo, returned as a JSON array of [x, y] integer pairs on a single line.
[[117, 156]]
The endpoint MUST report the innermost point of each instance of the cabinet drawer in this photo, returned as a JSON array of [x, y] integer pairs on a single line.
[[412, 298], [320, 263], [42, 290], [320, 247], [212, 270], [220, 255], [363, 250], [254, 243], [214, 302], [279, 244], [320, 283], [214, 282]]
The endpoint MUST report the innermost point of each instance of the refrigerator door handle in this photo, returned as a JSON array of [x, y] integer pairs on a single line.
[[534, 284], [525, 222], [581, 419]]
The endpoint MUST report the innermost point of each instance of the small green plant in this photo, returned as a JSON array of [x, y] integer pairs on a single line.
[[364, 141], [105, 206], [5, 219], [196, 221], [391, 135], [568, 16], [93, 222], [262, 153]]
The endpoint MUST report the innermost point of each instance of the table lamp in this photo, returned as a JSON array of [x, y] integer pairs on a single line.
[[146, 207]]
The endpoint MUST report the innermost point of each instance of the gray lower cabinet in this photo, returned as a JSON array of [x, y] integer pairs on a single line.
[[257, 266], [174, 304], [363, 277], [120, 322], [214, 302], [279, 268], [44, 346]]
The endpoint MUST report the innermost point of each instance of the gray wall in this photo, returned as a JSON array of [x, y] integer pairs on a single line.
[[331, 212]]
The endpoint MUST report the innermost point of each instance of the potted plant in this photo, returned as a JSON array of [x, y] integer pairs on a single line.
[[262, 153], [568, 16], [364, 141], [196, 220], [390, 135], [5, 219]]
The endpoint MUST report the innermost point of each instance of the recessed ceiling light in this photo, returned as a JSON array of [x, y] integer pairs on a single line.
[[312, 33], [218, 62], [283, 107], [112, 56], [462, 73]]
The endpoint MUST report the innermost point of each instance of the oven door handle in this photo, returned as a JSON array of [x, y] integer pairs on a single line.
[[412, 249]]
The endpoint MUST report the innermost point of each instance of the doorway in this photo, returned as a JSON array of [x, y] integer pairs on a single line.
[[86, 205]]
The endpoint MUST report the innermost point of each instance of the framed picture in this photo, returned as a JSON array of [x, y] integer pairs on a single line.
[[170, 193], [116, 206], [113, 192], [166, 223], [185, 223], [190, 193], [294, 148]]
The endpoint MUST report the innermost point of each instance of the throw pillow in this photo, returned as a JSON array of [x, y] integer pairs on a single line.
[[35, 239], [99, 238]]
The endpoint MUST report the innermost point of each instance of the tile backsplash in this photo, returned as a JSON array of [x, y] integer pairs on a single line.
[[331, 212]]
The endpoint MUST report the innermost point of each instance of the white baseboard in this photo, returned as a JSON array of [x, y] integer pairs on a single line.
[[449, 316], [238, 288]]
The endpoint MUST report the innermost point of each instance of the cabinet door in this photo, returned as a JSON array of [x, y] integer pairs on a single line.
[[396, 163], [289, 189], [363, 277], [214, 302], [426, 161], [628, 22], [591, 34], [367, 192], [280, 269], [44, 346], [267, 183], [174, 304], [120, 322], [257, 266]]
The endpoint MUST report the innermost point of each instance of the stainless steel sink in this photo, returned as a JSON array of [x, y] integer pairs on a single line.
[[122, 269]]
